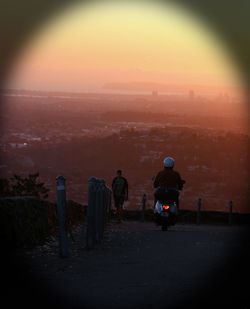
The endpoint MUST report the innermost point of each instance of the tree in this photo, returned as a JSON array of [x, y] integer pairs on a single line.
[[5, 189], [18, 186]]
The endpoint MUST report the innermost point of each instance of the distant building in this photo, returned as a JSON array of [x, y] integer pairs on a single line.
[[225, 97], [155, 94], [191, 95]]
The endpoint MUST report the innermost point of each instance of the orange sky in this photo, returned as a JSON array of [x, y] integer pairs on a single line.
[[115, 41]]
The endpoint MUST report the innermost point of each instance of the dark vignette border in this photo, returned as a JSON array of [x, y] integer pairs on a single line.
[[230, 21]]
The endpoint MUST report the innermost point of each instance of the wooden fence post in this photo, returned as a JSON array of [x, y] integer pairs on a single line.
[[198, 211], [102, 207], [99, 199], [230, 212], [99, 206], [91, 213], [108, 203], [62, 216], [143, 206]]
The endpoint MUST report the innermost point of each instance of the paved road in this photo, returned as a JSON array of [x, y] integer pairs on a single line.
[[139, 266]]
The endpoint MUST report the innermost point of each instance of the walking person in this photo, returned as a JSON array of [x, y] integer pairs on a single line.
[[120, 193]]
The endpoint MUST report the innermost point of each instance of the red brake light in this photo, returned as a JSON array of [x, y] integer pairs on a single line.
[[166, 207]]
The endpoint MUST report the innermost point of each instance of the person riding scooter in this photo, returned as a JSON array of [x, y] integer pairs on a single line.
[[168, 183]]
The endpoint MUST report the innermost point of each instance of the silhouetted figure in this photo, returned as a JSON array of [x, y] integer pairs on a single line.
[[168, 182], [120, 193]]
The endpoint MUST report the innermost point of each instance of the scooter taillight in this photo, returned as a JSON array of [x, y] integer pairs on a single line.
[[165, 207]]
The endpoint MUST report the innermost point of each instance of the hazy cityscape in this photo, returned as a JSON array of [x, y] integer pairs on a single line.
[[84, 135]]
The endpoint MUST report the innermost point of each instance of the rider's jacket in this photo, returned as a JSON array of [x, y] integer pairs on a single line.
[[169, 178]]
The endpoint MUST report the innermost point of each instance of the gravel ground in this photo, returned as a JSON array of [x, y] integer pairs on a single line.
[[139, 266]]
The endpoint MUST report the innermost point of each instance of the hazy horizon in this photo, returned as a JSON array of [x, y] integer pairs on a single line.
[[88, 47], [145, 88]]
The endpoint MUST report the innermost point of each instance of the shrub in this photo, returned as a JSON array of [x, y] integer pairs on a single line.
[[18, 186]]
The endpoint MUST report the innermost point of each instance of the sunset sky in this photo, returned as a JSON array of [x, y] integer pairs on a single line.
[[87, 46]]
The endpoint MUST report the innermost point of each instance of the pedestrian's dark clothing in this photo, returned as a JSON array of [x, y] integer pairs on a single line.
[[119, 188], [169, 178], [119, 200]]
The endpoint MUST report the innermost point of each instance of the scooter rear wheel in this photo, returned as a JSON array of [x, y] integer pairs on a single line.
[[164, 227]]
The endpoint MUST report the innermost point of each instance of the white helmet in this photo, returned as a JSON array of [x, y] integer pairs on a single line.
[[168, 162]]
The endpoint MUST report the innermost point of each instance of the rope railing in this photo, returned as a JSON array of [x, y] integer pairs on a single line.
[[198, 213], [230, 212]]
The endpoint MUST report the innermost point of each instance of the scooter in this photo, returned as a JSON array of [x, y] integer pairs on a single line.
[[165, 206], [165, 214]]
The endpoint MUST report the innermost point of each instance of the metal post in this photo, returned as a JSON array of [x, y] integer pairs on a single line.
[[62, 217], [91, 213], [230, 212], [198, 211], [143, 206]]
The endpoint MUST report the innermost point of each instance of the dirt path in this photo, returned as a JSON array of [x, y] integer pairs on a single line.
[[139, 266]]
